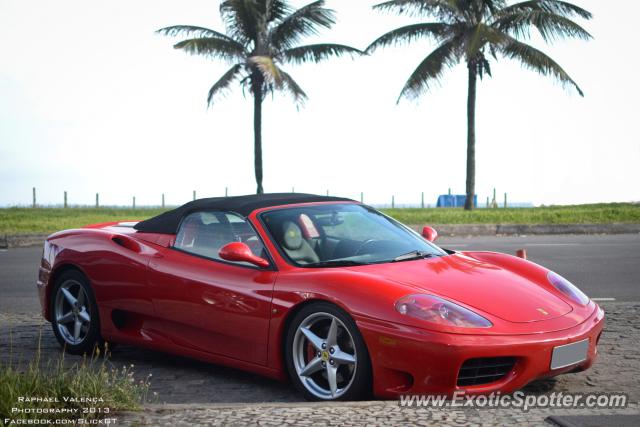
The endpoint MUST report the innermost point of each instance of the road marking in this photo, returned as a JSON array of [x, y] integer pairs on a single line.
[[603, 299]]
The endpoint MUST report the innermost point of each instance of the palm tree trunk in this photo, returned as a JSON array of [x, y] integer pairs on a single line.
[[471, 138], [257, 131]]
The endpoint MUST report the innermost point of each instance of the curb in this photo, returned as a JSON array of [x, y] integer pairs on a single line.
[[22, 240], [530, 229], [174, 407]]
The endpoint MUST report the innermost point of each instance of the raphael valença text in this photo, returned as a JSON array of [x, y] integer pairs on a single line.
[[65, 399]]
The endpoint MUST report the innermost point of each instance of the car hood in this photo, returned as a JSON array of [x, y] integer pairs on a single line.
[[478, 284]]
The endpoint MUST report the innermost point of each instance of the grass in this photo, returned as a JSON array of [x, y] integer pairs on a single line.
[[104, 389], [604, 213], [48, 220]]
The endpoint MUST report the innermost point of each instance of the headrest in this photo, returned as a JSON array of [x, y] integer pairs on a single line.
[[291, 236]]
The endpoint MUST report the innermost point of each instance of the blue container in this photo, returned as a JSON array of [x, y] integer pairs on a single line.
[[454, 200]]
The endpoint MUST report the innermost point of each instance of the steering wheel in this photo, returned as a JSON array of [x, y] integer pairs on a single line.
[[364, 244]]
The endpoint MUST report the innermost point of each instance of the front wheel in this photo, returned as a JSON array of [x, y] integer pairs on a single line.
[[74, 313], [326, 356]]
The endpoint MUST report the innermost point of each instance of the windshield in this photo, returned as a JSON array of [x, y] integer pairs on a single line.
[[343, 234]]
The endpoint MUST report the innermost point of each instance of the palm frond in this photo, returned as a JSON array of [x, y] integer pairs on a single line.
[[493, 6], [223, 83], [303, 22], [240, 18], [550, 25], [268, 69], [445, 10], [431, 69], [212, 47], [290, 86], [476, 38], [192, 31], [557, 7], [484, 68], [537, 61], [316, 52], [276, 10], [409, 33]]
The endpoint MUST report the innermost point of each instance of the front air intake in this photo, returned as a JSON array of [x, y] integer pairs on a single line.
[[484, 370]]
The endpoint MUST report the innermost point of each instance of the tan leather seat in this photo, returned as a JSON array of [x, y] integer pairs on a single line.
[[295, 246]]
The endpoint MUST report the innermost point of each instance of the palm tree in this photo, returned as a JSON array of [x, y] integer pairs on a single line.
[[473, 30], [261, 35]]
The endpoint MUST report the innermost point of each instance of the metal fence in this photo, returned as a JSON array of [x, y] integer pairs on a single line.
[[419, 203]]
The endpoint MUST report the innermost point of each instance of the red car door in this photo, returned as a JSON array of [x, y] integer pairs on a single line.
[[209, 304]]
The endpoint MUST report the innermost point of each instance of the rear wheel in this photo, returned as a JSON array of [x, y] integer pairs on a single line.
[[326, 356], [74, 313]]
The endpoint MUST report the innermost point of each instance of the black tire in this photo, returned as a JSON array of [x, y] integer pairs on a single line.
[[360, 386], [91, 333]]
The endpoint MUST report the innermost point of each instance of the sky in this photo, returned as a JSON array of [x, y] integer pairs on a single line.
[[92, 100]]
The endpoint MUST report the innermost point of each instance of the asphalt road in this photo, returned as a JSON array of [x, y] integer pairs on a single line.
[[602, 266]]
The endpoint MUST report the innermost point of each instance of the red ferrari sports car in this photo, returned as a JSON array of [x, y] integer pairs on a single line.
[[334, 295]]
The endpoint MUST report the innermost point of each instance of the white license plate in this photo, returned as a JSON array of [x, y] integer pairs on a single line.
[[569, 354]]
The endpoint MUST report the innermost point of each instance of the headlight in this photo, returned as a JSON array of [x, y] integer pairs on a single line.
[[567, 288], [440, 311]]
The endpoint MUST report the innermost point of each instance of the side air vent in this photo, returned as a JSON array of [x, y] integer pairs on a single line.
[[126, 242], [485, 370]]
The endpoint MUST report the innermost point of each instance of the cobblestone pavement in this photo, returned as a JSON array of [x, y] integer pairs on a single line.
[[350, 414], [175, 379], [179, 380]]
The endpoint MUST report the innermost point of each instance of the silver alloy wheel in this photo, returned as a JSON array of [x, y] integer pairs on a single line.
[[324, 355], [72, 312]]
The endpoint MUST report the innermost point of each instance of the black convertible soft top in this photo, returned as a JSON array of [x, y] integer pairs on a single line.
[[168, 222]]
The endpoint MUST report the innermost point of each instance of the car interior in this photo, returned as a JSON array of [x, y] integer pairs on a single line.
[[205, 233], [305, 241], [296, 246], [306, 237]]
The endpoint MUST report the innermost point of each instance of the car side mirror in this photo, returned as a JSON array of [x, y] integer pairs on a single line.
[[240, 252], [429, 233]]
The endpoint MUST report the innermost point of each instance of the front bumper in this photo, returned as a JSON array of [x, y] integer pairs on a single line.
[[408, 360]]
